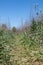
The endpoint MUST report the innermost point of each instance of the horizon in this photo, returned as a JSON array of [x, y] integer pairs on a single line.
[[13, 12]]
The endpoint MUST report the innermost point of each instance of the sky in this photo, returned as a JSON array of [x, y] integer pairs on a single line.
[[13, 12]]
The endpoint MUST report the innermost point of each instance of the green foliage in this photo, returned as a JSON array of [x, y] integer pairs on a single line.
[[40, 25], [33, 26], [14, 29], [5, 37], [27, 45]]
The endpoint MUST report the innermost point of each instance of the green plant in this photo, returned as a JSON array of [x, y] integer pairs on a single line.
[[14, 29], [33, 26]]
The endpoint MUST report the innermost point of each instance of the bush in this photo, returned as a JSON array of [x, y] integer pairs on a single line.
[[14, 29], [5, 48], [33, 26]]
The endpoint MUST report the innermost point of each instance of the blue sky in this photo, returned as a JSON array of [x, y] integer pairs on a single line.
[[17, 10]]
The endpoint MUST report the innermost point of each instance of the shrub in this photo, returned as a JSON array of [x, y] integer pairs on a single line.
[[14, 29], [33, 26]]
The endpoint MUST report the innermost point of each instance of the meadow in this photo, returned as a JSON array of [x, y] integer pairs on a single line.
[[24, 48]]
